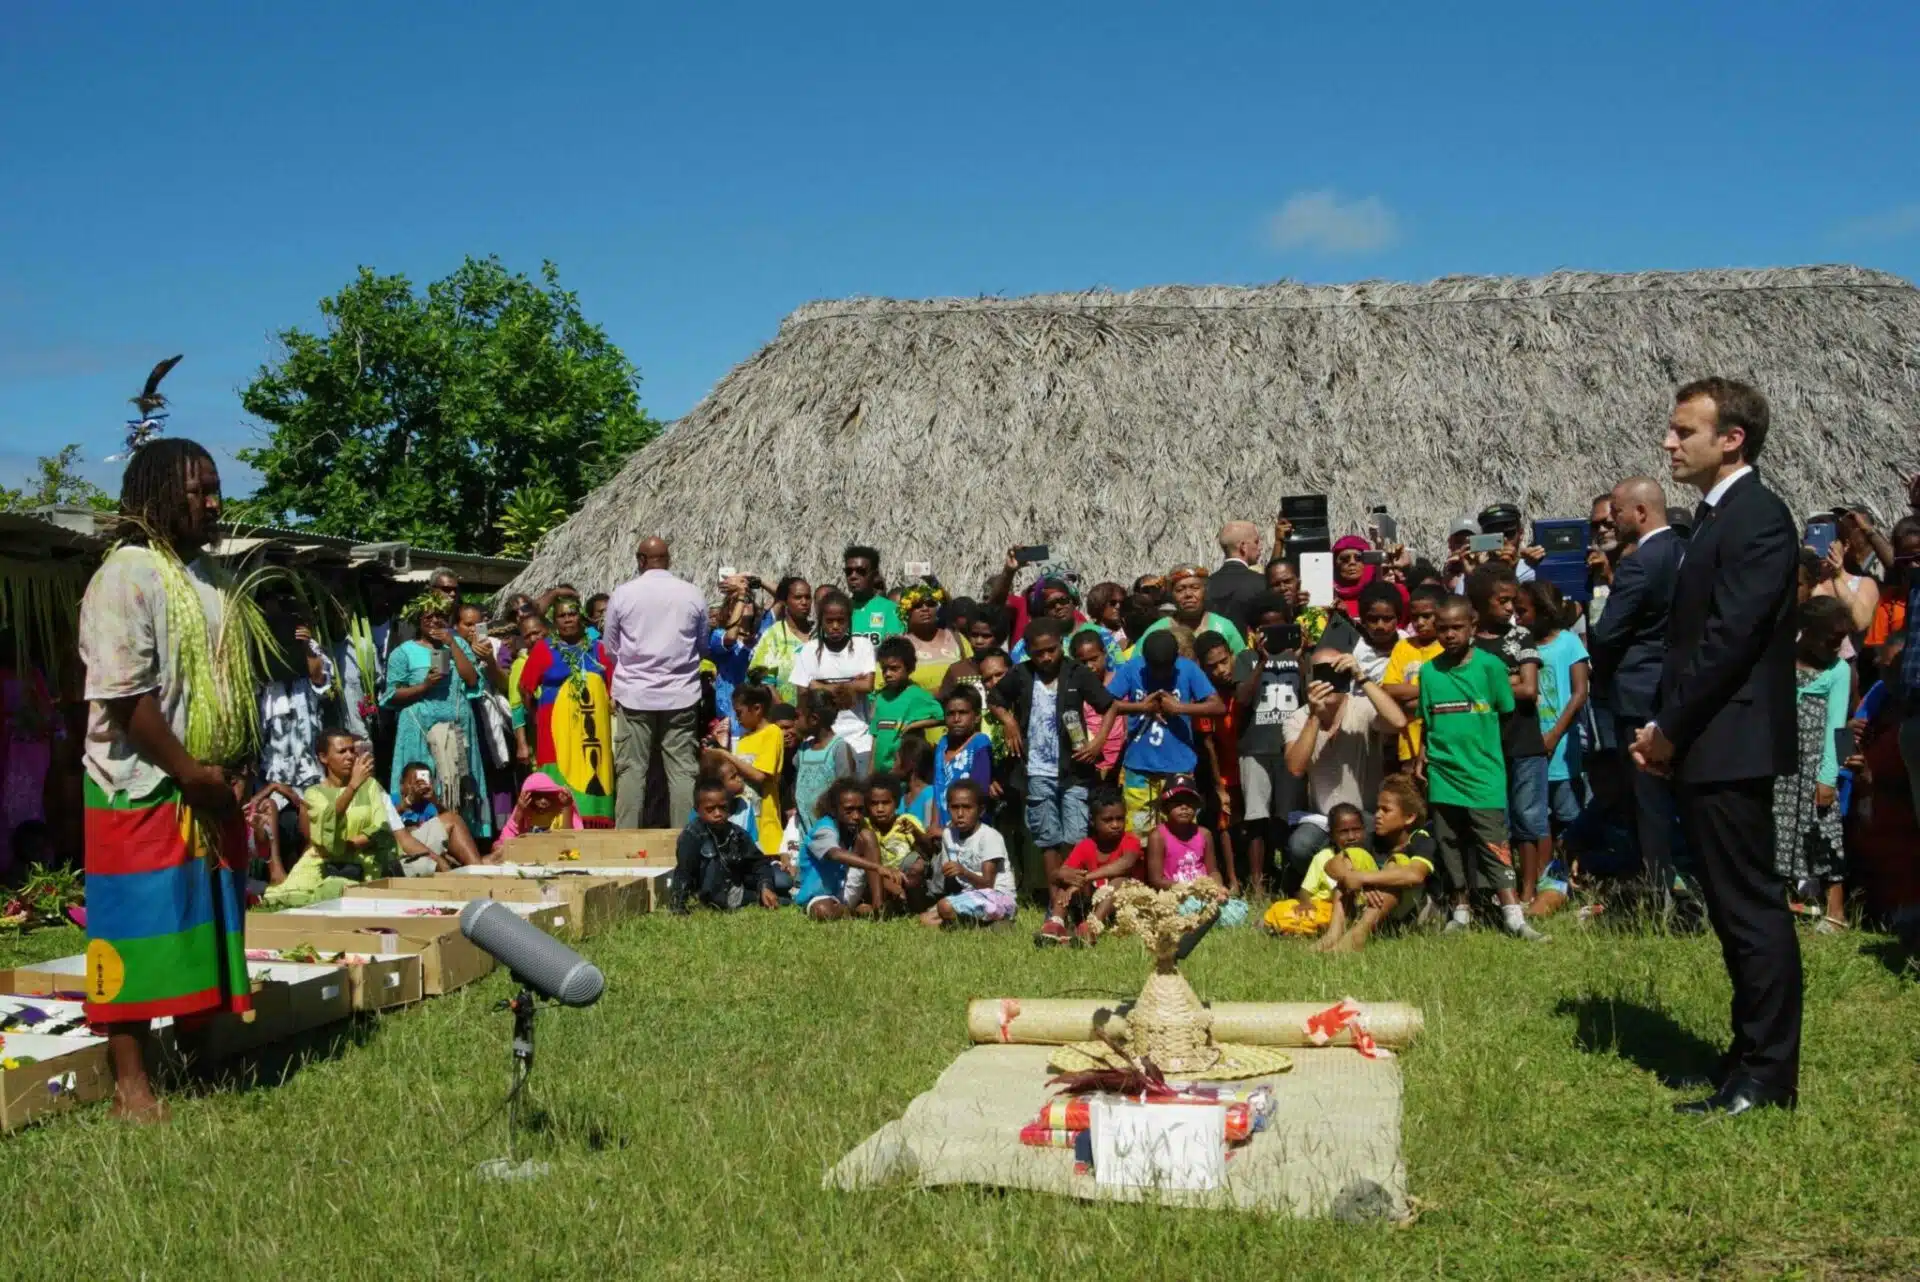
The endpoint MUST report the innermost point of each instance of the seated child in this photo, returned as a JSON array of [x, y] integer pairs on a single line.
[[1312, 912], [1109, 850], [429, 838], [904, 846], [839, 842], [715, 860], [1394, 892], [543, 806], [975, 878], [717, 763]]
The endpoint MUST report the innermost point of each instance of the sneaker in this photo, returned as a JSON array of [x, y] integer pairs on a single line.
[[736, 895], [1083, 935], [1829, 926], [1526, 931], [1454, 926], [1054, 931]]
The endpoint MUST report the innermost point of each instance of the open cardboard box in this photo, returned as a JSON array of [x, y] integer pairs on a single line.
[[289, 998], [374, 982], [66, 1071], [652, 880], [593, 903], [61, 1012], [400, 913], [650, 847], [448, 959], [27, 981]]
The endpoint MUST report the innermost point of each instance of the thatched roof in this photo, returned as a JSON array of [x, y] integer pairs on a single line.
[[1123, 428]]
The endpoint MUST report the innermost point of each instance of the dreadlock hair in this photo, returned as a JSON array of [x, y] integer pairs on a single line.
[[153, 500]]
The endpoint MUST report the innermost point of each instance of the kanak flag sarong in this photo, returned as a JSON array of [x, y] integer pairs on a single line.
[[166, 910]]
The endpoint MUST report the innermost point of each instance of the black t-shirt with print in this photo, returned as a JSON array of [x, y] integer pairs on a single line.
[[1520, 729], [1281, 690]]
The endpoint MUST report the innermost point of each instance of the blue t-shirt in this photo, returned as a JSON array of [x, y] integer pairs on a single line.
[[820, 875], [414, 816], [739, 814], [729, 673], [1557, 658], [974, 761], [1155, 745]]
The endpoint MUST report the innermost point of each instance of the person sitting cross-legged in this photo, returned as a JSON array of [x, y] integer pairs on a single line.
[[1392, 891]]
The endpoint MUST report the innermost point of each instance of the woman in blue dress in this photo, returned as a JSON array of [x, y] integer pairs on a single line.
[[429, 684]]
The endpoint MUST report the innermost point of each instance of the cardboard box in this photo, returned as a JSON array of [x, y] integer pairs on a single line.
[[67, 1071], [652, 880], [30, 982], [652, 847], [374, 982], [593, 903], [448, 959], [400, 913], [65, 1017]]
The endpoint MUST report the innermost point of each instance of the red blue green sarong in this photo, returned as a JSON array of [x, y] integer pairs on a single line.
[[166, 915]]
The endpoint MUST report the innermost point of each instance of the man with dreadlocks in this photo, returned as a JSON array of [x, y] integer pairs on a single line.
[[170, 712]]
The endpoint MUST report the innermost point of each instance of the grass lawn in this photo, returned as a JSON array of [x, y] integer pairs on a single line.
[[690, 1115]]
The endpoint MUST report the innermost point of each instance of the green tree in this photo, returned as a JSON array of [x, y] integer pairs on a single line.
[[59, 484], [421, 418]]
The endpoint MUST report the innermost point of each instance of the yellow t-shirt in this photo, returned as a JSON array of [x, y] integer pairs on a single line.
[[1317, 885], [897, 848], [766, 749], [1403, 668]]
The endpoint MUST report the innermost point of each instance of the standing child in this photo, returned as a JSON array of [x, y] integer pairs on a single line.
[[1216, 659], [838, 843], [1163, 693], [1806, 820], [1269, 687], [1379, 613], [760, 754], [913, 767], [1410, 654], [974, 882], [1109, 850], [1563, 701], [1463, 694], [965, 754], [901, 709], [821, 757], [1105, 729], [1395, 889], [1495, 592], [1318, 903]]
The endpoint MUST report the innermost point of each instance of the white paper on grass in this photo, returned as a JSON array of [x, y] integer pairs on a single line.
[[1168, 1146]]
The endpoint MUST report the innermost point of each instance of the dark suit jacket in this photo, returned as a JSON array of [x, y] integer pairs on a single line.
[[1726, 686], [1232, 589], [1629, 642]]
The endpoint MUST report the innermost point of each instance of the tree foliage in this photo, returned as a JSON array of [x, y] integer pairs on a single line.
[[470, 418], [58, 484]]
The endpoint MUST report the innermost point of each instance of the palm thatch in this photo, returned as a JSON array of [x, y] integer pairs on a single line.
[[1122, 428]]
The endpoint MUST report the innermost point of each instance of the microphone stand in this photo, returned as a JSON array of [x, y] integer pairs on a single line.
[[524, 1006]]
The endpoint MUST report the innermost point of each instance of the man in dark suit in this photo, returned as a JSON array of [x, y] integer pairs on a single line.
[[1236, 585], [1628, 646], [1725, 726]]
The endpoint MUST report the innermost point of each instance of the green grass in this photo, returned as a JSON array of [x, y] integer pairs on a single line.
[[690, 1115]]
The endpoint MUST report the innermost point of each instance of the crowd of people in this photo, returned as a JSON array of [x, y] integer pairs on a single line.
[[1442, 738]]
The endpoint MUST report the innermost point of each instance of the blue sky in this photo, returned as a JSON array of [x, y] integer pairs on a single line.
[[195, 177]]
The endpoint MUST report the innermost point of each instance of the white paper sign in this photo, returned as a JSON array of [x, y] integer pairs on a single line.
[[1167, 1146], [1316, 577]]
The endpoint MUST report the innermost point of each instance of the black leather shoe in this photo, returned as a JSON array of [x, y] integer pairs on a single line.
[[1739, 1095]]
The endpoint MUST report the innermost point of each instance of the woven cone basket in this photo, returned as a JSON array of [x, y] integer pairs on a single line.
[[1169, 1026]]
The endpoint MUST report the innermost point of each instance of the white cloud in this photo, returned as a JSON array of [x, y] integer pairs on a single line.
[[1893, 224], [1321, 221]]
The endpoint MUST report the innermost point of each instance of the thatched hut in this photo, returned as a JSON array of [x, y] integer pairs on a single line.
[[1122, 428]]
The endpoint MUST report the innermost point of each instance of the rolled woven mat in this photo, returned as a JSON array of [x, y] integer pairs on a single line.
[[1053, 1021]]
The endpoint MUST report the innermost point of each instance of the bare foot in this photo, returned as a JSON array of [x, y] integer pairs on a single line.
[[1325, 943], [142, 1108], [1348, 943]]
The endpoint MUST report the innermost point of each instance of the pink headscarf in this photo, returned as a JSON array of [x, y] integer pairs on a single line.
[[1347, 595], [537, 782]]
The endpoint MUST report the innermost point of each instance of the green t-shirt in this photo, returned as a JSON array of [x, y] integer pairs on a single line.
[[1461, 702], [893, 711], [876, 618], [1229, 631]]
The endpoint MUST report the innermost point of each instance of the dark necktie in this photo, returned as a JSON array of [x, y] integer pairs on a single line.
[[1701, 515]]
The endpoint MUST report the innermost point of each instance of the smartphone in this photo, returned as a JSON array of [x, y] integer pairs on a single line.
[[1033, 554], [1821, 532], [727, 572], [1340, 681], [1316, 577], [919, 569], [1282, 636], [1373, 556], [1385, 526], [1486, 542], [1844, 745]]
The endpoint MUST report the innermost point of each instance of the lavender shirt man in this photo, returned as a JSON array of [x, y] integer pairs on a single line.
[[655, 630]]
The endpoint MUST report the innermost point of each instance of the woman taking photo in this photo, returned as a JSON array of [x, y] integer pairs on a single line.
[[564, 690], [935, 648], [430, 682], [781, 643]]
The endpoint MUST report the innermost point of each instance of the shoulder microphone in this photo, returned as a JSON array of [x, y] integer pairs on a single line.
[[536, 958]]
